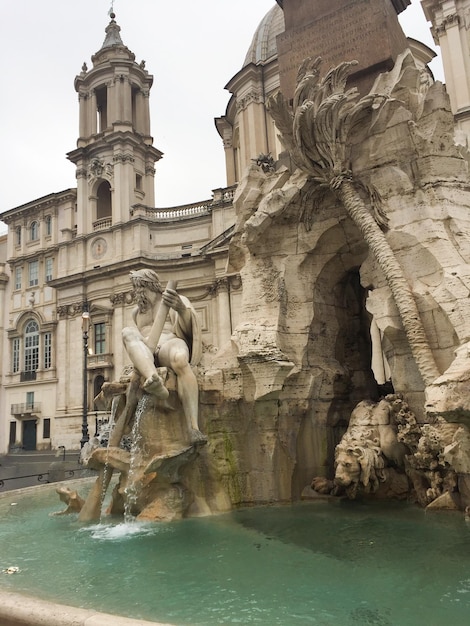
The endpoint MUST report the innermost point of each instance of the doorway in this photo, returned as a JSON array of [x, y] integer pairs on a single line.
[[29, 434]]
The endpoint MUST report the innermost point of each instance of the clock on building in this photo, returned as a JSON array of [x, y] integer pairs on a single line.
[[98, 248]]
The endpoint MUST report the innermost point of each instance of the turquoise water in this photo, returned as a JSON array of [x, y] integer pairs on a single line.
[[313, 563]]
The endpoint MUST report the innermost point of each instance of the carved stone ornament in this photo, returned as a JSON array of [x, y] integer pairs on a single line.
[[123, 297], [123, 158], [255, 96], [70, 310], [99, 169]]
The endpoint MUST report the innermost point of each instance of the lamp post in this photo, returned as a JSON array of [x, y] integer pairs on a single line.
[[85, 328]]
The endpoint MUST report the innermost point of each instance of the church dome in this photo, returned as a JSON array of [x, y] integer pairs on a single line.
[[263, 46]]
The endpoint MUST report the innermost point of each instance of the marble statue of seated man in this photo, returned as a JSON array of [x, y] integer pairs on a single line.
[[178, 346]]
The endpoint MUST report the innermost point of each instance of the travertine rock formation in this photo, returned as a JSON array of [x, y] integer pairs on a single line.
[[321, 306]]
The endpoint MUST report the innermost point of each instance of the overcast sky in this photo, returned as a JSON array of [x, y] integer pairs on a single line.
[[191, 47]]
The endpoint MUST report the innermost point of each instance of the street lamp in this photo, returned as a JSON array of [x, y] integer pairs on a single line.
[[85, 328]]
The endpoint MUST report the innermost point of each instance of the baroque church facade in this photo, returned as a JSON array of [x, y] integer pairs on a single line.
[[70, 252]]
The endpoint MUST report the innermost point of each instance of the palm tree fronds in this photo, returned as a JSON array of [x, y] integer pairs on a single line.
[[282, 115], [308, 76], [335, 80]]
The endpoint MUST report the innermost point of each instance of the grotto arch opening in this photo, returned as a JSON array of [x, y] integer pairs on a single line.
[[339, 358]]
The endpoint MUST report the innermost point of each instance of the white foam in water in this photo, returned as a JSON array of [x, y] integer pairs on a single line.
[[121, 532]]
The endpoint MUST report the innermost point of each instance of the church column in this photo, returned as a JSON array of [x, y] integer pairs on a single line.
[[92, 112], [230, 165], [243, 139], [126, 96], [112, 103], [118, 99], [149, 184], [82, 198], [146, 113], [119, 302], [83, 118], [3, 308], [223, 302], [123, 186], [138, 111]]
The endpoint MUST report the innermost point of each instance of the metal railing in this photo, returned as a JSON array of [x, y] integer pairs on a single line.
[[27, 375], [25, 407], [43, 477]]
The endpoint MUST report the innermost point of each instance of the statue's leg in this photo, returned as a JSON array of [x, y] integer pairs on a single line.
[[127, 412], [143, 361], [175, 354]]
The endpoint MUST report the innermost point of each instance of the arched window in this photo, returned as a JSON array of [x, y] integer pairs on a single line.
[[31, 350], [31, 346], [18, 235], [97, 384], [48, 222], [34, 231]]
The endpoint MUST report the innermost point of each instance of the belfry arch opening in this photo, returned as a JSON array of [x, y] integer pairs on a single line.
[[103, 202], [102, 108]]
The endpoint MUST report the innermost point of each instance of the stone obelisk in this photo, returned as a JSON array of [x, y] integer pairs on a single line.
[[367, 31]]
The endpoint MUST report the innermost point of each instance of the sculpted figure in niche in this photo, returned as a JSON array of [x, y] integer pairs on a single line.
[[374, 447], [178, 347]]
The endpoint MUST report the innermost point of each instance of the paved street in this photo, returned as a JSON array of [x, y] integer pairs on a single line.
[[22, 468]]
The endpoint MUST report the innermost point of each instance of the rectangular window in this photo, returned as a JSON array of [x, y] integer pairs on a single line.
[[12, 433], [16, 355], [31, 353], [46, 428], [48, 269], [18, 276], [29, 400], [100, 338], [33, 273], [47, 350]]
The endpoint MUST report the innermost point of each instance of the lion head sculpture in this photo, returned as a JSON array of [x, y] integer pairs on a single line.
[[359, 463], [374, 447]]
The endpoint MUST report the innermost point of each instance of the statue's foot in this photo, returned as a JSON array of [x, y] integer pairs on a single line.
[[155, 387], [196, 438]]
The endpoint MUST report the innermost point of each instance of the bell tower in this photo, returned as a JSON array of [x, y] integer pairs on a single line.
[[115, 158]]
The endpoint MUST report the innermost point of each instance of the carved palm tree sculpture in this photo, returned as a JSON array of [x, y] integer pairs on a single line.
[[316, 130]]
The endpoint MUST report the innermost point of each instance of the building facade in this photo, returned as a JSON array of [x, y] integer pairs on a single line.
[[72, 251]]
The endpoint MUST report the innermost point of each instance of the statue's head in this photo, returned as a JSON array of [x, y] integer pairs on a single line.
[[146, 279], [143, 280]]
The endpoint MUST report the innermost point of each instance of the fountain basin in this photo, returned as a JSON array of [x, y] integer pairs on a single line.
[[345, 563], [19, 610]]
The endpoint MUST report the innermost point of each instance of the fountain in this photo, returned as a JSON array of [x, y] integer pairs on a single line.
[[346, 295]]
